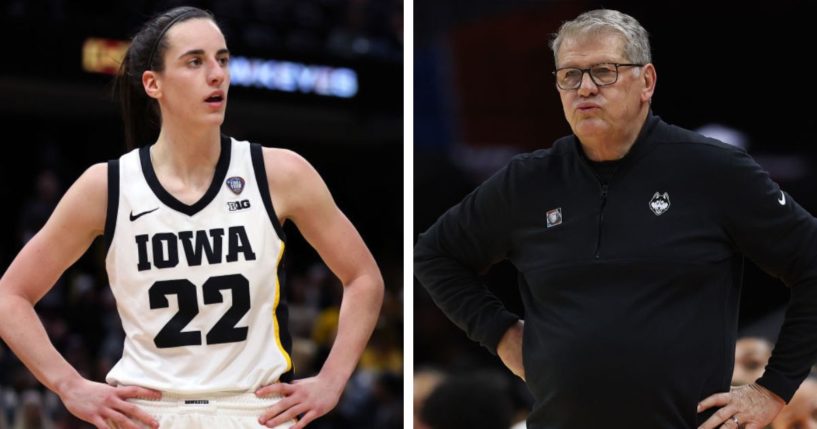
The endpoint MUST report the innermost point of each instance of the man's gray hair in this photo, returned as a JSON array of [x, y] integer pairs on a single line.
[[636, 39]]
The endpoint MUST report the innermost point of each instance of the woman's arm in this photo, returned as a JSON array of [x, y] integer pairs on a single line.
[[76, 221], [299, 194]]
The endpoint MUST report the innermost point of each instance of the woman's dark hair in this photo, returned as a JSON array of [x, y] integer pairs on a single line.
[[140, 113]]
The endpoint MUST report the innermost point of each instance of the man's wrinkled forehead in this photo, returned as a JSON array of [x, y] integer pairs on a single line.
[[591, 48]]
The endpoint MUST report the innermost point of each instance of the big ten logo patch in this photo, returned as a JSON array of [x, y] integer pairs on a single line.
[[238, 205]]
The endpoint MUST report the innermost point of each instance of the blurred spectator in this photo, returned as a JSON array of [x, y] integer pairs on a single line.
[[5, 407], [369, 29], [751, 356], [425, 381], [754, 346], [37, 209], [376, 385], [382, 354], [388, 401], [477, 401], [31, 413]]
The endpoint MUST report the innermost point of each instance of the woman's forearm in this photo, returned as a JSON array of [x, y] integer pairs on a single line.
[[359, 311], [25, 334]]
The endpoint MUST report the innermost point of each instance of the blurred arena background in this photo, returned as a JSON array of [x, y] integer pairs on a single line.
[[321, 77], [484, 91]]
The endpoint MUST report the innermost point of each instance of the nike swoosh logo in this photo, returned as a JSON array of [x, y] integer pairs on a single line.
[[782, 199], [133, 218]]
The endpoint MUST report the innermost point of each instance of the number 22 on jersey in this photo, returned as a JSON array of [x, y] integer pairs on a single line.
[[224, 331]]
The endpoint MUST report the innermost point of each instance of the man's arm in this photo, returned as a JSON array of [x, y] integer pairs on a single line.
[[770, 228], [465, 241]]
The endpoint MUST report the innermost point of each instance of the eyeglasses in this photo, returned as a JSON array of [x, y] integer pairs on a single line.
[[601, 74]]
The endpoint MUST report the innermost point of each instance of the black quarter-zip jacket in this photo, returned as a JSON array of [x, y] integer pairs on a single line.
[[630, 288]]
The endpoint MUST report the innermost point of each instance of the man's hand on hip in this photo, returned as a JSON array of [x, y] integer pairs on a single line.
[[509, 349], [748, 407]]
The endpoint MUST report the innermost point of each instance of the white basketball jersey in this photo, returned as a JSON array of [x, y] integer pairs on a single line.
[[197, 286]]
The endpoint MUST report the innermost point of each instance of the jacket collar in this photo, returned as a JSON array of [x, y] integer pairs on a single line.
[[641, 146]]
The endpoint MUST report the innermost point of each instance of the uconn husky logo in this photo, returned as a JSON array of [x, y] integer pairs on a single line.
[[659, 203]]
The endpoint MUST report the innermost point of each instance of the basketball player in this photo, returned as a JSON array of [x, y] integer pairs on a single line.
[[192, 225]]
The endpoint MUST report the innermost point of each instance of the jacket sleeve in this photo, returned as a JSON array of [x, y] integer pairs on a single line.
[[461, 244], [771, 229]]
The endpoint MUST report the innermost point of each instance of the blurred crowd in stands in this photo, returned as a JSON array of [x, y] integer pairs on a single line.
[[371, 29]]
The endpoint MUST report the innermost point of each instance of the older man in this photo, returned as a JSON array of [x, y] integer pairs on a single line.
[[629, 238]]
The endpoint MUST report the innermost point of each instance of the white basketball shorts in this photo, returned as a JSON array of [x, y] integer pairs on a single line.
[[223, 411]]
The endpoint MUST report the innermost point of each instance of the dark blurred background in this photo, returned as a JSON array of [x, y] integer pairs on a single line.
[[327, 84], [484, 91]]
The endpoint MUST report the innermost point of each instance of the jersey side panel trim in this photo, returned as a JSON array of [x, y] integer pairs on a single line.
[[263, 187], [280, 314], [113, 202], [280, 311]]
